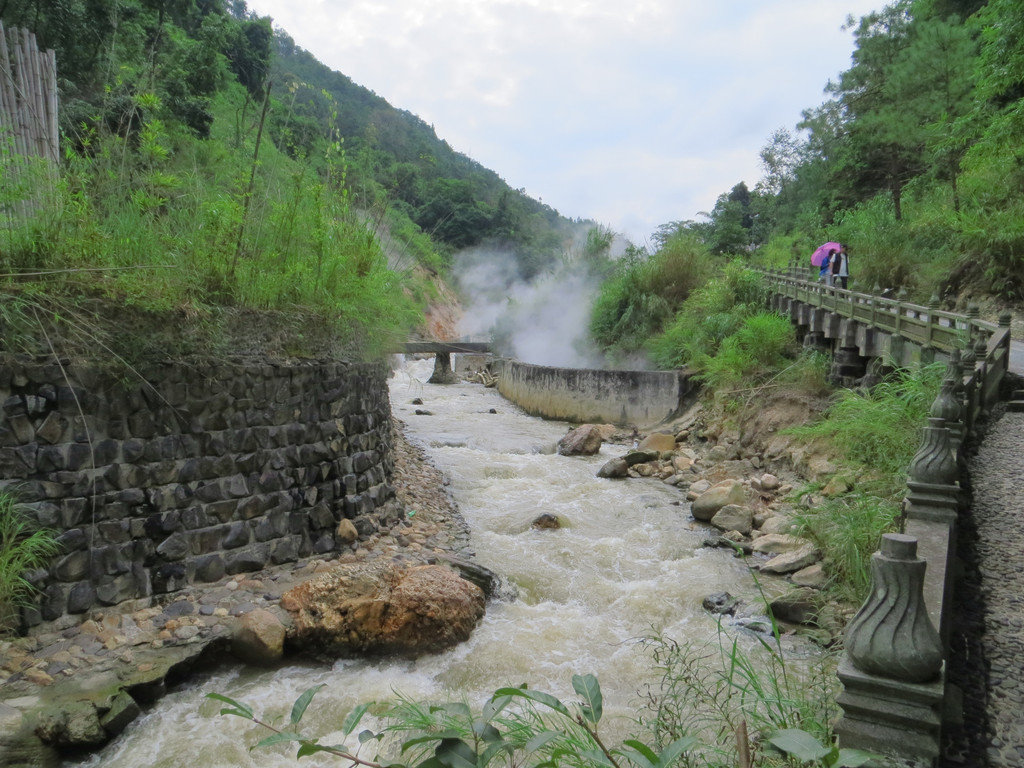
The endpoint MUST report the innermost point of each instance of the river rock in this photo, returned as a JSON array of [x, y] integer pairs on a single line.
[[614, 468], [72, 724], [733, 517], [658, 442], [346, 532], [788, 562], [383, 608], [682, 463], [717, 496], [258, 637], [778, 524], [777, 543], [123, 710], [797, 607], [547, 521], [812, 576], [697, 488], [582, 441], [640, 457], [721, 603], [766, 482]]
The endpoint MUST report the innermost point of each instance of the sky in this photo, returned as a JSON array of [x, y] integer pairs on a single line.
[[633, 113]]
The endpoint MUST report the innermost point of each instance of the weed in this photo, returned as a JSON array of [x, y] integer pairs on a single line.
[[23, 546], [879, 431]]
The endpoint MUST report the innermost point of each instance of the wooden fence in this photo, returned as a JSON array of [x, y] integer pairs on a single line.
[[28, 117]]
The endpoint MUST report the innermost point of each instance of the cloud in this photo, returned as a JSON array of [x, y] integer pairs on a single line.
[[632, 114]]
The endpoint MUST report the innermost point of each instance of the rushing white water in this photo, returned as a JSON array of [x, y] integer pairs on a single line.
[[626, 560]]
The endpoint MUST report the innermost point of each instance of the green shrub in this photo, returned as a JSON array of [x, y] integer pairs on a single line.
[[757, 350], [642, 294], [710, 314]]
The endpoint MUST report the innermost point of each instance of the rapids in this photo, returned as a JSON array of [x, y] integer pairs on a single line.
[[627, 561]]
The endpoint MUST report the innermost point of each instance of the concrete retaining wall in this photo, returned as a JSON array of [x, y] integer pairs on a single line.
[[640, 398], [202, 471]]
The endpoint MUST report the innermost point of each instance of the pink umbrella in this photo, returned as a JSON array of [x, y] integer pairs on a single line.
[[821, 253]]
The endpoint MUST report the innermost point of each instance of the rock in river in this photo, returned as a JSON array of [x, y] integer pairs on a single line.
[[383, 608]]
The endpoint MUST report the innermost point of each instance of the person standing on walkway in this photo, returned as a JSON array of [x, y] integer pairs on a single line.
[[842, 270], [825, 275]]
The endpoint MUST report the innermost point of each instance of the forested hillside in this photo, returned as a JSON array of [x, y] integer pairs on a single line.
[[915, 160], [207, 162]]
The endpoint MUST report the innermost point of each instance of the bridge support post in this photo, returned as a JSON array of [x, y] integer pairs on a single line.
[[443, 373]]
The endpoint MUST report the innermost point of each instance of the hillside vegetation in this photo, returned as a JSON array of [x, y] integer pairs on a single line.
[[915, 161], [210, 166]]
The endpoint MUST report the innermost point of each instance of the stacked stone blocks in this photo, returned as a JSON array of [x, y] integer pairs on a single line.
[[190, 473]]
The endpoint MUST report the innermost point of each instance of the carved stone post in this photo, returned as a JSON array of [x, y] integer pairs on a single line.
[[933, 476], [892, 669], [947, 408], [970, 389], [891, 636]]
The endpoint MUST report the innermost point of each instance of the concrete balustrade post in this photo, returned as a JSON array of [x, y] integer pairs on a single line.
[[892, 668], [892, 636], [947, 407], [933, 477]]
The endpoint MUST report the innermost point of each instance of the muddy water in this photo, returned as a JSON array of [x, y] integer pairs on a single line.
[[626, 560]]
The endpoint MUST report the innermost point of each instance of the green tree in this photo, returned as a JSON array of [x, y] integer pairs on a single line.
[[884, 142]]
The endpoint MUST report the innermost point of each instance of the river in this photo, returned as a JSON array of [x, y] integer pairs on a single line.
[[626, 561]]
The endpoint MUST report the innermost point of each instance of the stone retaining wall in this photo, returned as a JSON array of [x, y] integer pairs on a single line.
[[203, 470], [640, 398]]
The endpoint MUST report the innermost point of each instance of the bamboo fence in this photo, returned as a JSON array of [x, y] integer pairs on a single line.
[[28, 117]]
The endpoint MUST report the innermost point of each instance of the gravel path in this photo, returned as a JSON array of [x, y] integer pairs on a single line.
[[987, 653]]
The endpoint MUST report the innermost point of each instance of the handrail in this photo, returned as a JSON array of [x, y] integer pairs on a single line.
[[985, 346]]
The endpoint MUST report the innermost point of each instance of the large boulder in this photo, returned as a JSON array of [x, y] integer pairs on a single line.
[[778, 524], [717, 496], [612, 468], [259, 637], [795, 560], [778, 543], [582, 441], [658, 442], [733, 517], [383, 608]]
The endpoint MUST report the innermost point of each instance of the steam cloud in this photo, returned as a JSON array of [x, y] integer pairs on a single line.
[[543, 321]]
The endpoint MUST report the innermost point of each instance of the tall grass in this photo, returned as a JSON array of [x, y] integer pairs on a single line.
[[878, 432], [848, 530], [165, 223], [733, 695], [23, 546]]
